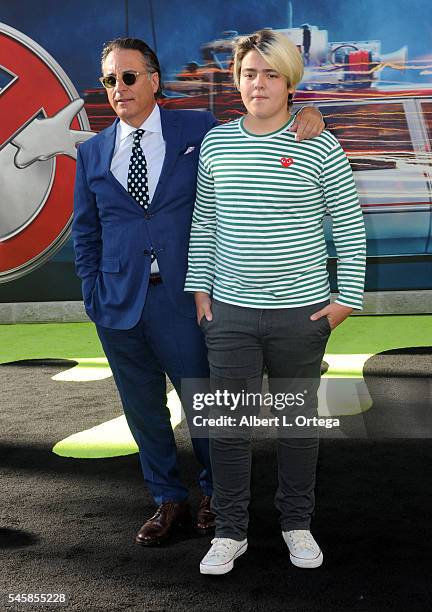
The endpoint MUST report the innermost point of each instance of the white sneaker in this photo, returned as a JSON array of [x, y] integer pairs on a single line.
[[220, 557], [304, 551]]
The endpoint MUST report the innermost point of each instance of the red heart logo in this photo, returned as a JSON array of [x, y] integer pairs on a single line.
[[286, 161]]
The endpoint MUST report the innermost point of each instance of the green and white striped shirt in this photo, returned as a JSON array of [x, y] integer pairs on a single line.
[[257, 238]]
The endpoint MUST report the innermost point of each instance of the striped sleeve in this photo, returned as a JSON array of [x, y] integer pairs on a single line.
[[202, 245], [348, 227]]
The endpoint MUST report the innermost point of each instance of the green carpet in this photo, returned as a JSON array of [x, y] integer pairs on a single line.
[[54, 340], [360, 334]]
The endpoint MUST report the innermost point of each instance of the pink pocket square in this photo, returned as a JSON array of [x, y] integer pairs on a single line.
[[189, 150]]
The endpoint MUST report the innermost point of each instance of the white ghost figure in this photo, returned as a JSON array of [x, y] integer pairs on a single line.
[[27, 174]]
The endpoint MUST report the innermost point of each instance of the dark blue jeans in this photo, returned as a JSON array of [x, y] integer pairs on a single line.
[[162, 342], [241, 342]]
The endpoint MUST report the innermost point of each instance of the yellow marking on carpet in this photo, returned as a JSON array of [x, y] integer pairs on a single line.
[[88, 369], [342, 392], [346, 365], [343, 397], [110, 439]]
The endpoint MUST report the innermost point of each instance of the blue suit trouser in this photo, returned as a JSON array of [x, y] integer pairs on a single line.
[[163, 341]]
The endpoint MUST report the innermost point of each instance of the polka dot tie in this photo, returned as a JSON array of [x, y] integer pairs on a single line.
[[137, 175], [137, 181]]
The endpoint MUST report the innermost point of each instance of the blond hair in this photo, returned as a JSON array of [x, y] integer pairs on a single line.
[[276, 49]]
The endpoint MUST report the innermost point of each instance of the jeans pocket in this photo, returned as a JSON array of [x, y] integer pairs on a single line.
[[327, 324]]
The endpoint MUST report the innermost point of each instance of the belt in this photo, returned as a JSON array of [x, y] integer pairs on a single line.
[[155, 278]]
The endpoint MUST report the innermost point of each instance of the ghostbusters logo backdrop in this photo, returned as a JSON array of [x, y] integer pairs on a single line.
[[44, 122]]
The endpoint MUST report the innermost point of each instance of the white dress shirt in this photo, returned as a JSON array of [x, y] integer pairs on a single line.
[[153, 146]]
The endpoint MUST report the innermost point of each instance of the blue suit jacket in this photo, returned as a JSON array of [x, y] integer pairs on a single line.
[[113, 234]]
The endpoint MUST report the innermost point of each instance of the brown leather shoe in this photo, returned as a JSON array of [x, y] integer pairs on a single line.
[[205, 522], [168, 518]]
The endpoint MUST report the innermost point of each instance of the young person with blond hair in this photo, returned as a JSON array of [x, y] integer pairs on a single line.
[[257, 267]]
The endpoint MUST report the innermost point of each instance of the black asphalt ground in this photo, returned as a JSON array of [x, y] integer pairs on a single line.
[[67, 526]]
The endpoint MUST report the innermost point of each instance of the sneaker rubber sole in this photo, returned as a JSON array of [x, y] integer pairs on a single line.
[[307, 563]]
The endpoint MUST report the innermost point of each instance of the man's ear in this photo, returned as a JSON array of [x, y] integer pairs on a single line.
[[154, 81]]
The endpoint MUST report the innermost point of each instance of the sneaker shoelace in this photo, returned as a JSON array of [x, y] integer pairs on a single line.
[[303, 539], [219, 547]]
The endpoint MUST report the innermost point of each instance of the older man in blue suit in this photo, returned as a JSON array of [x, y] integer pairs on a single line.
[[134, 197]]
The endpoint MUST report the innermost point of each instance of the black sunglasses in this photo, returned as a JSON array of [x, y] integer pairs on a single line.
[[128, 77]]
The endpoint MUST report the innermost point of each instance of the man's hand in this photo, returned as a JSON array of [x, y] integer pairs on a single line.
[[308, 123], [335, 313], [203, 306]]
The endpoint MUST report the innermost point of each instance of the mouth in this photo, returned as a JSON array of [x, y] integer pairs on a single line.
[[123, 101]]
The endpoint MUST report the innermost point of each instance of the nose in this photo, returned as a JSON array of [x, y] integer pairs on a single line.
[[259, 81], [119, 86]]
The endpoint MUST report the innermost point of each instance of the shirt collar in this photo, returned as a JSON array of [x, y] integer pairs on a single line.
[[151, 124]]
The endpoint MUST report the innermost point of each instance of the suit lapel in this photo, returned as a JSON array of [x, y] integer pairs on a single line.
[[107, 146], [171, 132], [107, 151]]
